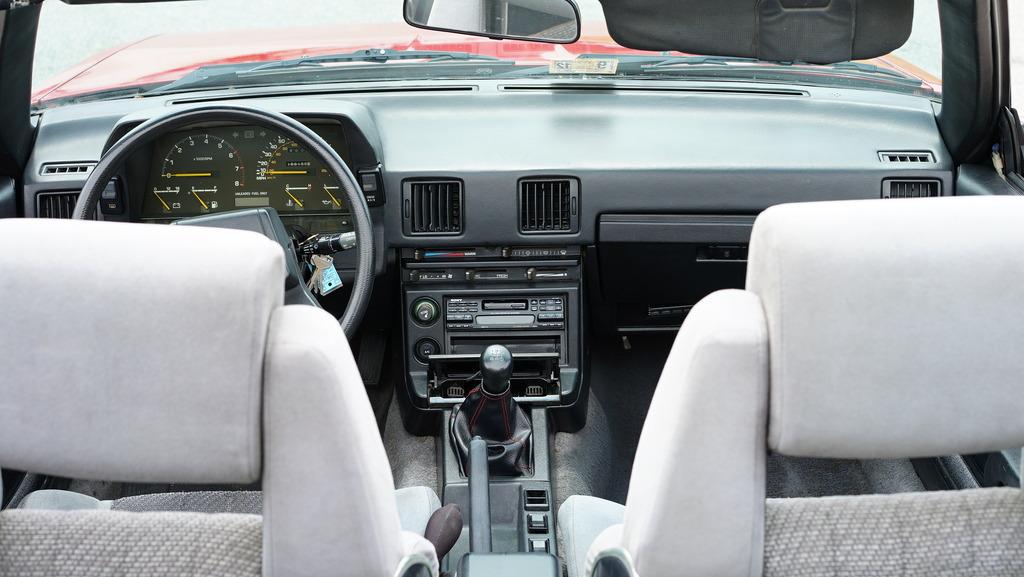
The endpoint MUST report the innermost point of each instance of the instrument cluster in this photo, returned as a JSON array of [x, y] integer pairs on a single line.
[[217, 169]]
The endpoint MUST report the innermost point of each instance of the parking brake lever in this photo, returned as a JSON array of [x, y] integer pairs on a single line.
[[479, 497]]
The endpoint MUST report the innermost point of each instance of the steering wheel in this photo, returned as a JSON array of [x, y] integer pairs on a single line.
[[148, 131]]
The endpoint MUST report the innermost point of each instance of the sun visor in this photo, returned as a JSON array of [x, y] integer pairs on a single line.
[[815, 31]]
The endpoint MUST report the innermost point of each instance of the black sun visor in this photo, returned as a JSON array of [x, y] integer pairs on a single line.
[[814, 31]]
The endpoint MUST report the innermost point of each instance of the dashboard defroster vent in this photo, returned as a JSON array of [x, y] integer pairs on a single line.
[[911, 188], [433, 207], [903, 157], [57, 168], [56, 204], [548, 206]]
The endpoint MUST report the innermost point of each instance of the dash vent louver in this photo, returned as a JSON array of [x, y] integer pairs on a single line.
[[434, 207], [548, 206], [911, 188], [905, 157], [66, 168], [56, 204]]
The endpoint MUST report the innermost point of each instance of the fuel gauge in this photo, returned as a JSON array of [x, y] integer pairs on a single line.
[[206, 197]]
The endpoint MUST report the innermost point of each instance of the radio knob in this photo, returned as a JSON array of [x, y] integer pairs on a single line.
[[531, 273], [425, 311]]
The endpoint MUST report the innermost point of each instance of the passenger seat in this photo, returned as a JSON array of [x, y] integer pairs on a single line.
[[868, 329]]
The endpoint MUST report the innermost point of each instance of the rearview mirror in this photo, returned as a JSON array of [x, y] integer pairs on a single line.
[[556, 21]]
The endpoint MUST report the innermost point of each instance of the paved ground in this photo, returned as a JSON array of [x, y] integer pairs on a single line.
[[70, 33]]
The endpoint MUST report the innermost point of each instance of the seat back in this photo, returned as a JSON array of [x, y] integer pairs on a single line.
[[148, 353], [893, 325], [139, 350], [869, 329]]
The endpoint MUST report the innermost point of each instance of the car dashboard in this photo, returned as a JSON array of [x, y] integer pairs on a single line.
[[524, 213]]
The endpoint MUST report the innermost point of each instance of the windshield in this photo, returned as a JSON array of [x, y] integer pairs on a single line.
[[89, 52]]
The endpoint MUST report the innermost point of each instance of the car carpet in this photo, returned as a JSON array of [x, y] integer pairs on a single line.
[[413, 459]]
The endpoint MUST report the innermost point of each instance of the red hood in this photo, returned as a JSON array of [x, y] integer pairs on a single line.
[[164, 58]]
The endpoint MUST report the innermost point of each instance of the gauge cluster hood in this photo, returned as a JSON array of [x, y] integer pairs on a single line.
[[815, 31]]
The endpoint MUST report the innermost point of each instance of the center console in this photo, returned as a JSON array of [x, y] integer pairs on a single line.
[[459, 302], [524, 302]]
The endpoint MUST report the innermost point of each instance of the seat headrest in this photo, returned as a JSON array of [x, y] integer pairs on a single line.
[[894, 325], [135, 351]]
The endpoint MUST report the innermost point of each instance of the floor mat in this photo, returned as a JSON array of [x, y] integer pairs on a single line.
[[413, 459], [598, 459]]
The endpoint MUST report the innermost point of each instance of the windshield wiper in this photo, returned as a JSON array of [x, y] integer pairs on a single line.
[[371, 55], [638, 64], [871, 69], [221, 75], [856, 67], [643, 64]]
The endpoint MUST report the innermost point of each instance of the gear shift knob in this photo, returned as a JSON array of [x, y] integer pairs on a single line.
[[496, 370]]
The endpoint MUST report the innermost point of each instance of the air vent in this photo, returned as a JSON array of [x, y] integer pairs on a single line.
[[906, 188], [70, 168], [56, 204], [433, 207], [548, 206], [902, 157]]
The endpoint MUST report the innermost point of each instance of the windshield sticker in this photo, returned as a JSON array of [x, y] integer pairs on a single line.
[[584, 66]]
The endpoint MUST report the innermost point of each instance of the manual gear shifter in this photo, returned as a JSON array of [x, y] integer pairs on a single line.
[[490, 412]]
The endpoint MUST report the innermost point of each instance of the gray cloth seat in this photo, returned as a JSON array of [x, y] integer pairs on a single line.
[[867, 330], [167, 356], [415, 504]]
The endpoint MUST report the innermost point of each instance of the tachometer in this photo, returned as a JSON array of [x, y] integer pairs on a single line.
[[195, 170]]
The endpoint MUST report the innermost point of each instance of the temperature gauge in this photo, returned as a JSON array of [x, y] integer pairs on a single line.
[[296, 196]]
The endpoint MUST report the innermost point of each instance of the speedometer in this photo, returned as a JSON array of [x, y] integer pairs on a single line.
[[195, 170], [294, 177]]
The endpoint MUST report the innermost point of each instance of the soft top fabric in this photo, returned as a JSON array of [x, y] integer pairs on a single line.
[[136, 349], [894, 325], [815, 31]]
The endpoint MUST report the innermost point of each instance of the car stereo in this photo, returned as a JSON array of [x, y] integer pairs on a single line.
[[539, 312]]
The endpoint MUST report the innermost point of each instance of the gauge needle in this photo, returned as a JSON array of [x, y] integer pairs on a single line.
[[188, 174], [287, 172], [162, 201], [327, 189], [297, 201], [200, 200]]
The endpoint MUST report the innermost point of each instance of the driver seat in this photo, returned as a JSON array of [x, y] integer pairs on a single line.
[[157, 354]]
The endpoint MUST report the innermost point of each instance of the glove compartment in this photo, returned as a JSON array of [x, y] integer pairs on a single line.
[[652, 268]]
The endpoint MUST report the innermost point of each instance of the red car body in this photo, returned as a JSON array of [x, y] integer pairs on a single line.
[[164, 58]]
